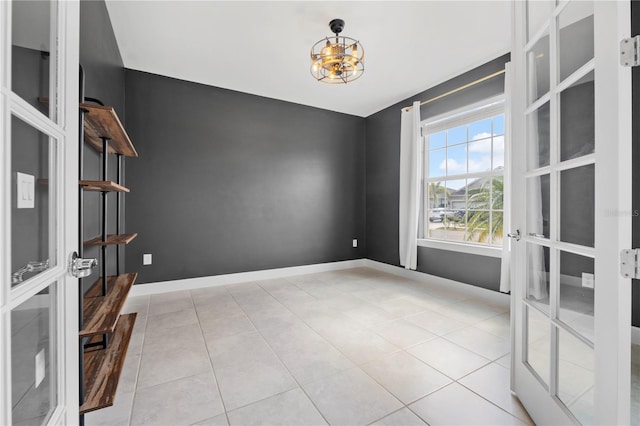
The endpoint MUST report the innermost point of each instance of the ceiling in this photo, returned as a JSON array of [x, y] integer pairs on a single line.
[[262, 47]]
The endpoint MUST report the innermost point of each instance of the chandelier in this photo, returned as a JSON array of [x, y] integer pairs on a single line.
[[338, 59]]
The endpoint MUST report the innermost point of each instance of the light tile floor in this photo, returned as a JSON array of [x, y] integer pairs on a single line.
[[351, 347]]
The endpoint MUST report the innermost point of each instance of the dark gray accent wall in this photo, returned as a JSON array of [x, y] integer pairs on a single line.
[[105, 80], [635, 78], [229, 182], [383, 181]]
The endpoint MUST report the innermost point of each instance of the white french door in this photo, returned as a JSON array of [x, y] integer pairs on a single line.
[[38, 211], [572, 205]]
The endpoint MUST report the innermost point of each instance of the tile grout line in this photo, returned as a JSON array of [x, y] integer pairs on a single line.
[[213, 370]]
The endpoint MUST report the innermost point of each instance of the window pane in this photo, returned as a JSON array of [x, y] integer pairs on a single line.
[[576, 36], [456, 194], [538, 278], [479, 226], [30, 60], [480, 156], [577, 283], [457, 135], [498, 153], [480, 129], [538, 338], [437, 195], [496, 228], [498, 125], [32, 236], [497, 193], [577, 205], [438, 162], [538, 137], [538, 69], [437, 140], [577, 118], [457, 160], [32, 341]]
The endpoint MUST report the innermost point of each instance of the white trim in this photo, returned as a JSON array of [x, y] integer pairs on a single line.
[[240, 277], [635, 335], [482, 293], [486, 108], [480, 250]]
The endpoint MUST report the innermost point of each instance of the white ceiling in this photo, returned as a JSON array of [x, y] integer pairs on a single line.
[[262, 47]]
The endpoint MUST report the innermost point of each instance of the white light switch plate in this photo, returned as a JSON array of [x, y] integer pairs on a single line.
[[40, 367], [355, 242], [147, 259], [26, 191], [587, 280]]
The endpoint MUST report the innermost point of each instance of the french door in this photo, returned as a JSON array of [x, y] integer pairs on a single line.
[[572, 205], [38, 212]]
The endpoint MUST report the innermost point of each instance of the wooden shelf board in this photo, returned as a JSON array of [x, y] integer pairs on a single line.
[[102, 121], [103, 367], [102, 186], [112, 239], [101, 312]]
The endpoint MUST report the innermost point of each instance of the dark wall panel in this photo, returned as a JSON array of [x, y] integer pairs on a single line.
[[104, 80], [383, 180], [635, 73], [229, 182]]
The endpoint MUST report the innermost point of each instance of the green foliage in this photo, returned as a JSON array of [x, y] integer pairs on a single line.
[[490, 196]]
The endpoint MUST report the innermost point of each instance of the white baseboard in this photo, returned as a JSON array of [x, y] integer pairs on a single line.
[[219, 280], [635, 335], [490, 296]]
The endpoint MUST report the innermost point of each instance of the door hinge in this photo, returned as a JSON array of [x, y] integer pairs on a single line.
[[629, 263], [630, 52]]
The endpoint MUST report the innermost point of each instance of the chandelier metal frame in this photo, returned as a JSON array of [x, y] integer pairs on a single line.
[[337, 59]]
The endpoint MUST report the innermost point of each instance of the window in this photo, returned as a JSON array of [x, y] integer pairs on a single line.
[[463, 177]]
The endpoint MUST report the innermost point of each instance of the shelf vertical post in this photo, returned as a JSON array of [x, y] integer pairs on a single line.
[[118, 212], [103, 247]]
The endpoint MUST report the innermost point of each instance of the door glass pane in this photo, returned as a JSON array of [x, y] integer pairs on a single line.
[[538, 277], [575, 376], [538, 215], [577, 118], [635, 384], [577, 204], [538, 139], [538, 12], [30, 59], [538, 339], [32, 245], [577, 292], [576, 36], [33, 359], [538, 71]]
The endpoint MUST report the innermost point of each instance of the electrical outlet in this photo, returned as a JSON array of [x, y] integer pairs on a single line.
[[355, 242], [147, 259], [587, 280], [40, 368]]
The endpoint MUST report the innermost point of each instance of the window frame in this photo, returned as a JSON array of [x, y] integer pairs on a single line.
[[484, 109]]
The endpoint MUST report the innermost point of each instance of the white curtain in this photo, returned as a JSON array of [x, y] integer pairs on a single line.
[[410, 177], [505, 270], [536, 271]]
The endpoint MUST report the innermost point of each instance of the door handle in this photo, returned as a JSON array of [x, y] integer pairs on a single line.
[[79, 267], [515, 235], [32, 266]]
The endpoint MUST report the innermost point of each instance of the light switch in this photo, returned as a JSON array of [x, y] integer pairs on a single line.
[[40, 367], [147, 259], [355, 242], [26, 191]]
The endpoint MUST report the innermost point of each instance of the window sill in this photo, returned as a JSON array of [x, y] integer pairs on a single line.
[[462, 247]]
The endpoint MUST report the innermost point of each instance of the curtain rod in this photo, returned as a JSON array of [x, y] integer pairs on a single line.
[[451, 92]]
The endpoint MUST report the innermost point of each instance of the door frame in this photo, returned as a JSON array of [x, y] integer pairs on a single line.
[[612, 303], [65, 26]]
